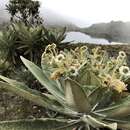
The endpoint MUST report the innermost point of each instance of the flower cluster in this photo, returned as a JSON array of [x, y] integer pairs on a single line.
[[112, 72], [64, 63]]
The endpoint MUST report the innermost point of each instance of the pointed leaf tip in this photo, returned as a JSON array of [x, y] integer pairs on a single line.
[[74, 94]]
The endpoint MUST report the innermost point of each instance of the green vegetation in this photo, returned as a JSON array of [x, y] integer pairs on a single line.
[[27, 41], [72, 76], [24, 36], [78, 87], [26, 11], [54, 36]]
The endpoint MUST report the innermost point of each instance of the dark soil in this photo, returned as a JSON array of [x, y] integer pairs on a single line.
[[14, 107]]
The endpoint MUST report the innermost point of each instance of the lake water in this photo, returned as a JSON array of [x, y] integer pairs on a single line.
[[81, 37]]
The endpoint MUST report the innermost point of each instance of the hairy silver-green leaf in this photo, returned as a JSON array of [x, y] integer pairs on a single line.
[[120, 109], [47, 70], [98, 123], [96, 95], [37, 124], [76, 97], [42, 78], [86, 77], [33, 95]]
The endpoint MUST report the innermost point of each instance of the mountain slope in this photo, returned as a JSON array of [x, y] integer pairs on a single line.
[[113, 31]]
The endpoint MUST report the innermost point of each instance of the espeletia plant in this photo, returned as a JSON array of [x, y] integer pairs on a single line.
[[88, 86]]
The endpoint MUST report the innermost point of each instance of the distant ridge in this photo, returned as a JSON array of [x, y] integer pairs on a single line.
[[113, 31]]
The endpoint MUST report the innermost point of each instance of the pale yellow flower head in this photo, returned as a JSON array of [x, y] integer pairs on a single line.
[[122, 54], [113, 83], [59, 58], [121, 57], [73, 70], [118, 85], [124, 70], [57, 74]]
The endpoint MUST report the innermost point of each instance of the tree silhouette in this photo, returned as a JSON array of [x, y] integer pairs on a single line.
[[26, 11]]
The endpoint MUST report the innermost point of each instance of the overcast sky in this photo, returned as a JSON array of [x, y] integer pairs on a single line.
[[90, 11], [84, 12]]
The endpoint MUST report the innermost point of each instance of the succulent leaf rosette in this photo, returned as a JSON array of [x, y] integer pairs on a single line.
[[87, 85]]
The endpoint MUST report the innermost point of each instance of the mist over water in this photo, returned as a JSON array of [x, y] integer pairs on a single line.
[[81, 37]]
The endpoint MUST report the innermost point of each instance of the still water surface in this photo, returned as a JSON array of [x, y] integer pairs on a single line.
[[81, 37]]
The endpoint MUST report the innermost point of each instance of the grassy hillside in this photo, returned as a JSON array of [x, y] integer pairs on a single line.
[[113, 31]]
